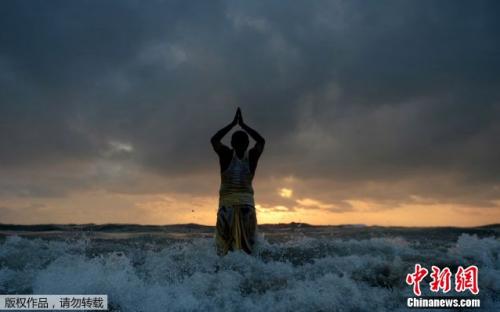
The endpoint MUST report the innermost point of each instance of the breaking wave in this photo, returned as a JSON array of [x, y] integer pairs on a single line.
[[299, 273]]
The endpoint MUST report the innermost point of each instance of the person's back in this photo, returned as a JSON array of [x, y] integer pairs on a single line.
[[236, 180], [236, 217]]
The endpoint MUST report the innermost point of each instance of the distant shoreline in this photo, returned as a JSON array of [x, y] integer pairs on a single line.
[[142, 227]]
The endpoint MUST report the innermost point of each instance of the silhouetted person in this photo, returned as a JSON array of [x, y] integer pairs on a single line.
[[236, 218]]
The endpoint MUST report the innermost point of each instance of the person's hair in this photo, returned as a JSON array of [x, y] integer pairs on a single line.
[[240, 138]]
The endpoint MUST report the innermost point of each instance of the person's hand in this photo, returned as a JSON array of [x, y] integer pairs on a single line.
[[240, 117], [236, 117]]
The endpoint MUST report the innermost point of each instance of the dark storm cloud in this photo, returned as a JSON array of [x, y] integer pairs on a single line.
[[347, 91]]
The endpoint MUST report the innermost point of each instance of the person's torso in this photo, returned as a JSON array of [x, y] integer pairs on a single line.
[[236, 180]]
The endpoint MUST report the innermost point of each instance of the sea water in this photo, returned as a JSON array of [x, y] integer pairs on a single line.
[[295, 267]]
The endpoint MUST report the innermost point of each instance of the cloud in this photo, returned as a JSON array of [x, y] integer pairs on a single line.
[[285, 192], [380, 101]]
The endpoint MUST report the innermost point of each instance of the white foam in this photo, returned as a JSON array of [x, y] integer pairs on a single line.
[[302, 274]]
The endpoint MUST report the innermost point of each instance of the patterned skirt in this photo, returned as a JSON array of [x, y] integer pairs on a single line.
[[235, 228]]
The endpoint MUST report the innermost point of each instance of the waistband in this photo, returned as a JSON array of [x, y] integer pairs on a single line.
[[236, 199]]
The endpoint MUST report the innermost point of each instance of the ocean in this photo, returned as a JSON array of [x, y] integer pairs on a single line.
[[295, 267]]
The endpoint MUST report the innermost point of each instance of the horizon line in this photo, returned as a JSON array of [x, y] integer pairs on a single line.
[[263, 224]]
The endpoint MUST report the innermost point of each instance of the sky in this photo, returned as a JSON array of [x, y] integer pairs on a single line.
[[374, 112]]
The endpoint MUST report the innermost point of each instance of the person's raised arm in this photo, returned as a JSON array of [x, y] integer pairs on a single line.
[[216, 139], [259, 140]]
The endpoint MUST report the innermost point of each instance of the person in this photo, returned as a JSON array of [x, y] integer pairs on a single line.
[[236, 218]]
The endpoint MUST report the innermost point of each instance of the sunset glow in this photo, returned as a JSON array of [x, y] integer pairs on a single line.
[[374, 114]]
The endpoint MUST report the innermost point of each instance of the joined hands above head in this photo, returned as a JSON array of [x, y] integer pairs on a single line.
[[238, 120]]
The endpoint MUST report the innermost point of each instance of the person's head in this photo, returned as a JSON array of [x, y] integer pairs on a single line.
[[239, 140]]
